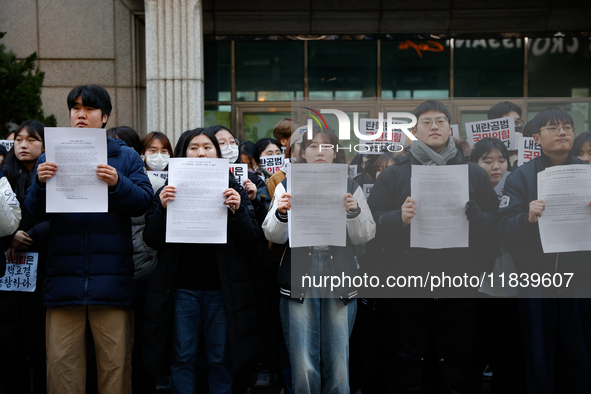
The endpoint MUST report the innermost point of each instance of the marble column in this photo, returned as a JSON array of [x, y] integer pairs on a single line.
[[174, 66]]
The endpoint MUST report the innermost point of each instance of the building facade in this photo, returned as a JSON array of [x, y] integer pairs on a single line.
[[171, 65]]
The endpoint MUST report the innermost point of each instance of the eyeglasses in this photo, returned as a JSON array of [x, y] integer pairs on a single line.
[[555, 130], [427, 122], [519, 123]]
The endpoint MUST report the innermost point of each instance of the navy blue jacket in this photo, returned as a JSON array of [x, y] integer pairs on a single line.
[[387, 196], [522, 238], [90, 255]]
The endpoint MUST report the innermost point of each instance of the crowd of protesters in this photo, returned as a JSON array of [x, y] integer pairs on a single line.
[[118, 309]]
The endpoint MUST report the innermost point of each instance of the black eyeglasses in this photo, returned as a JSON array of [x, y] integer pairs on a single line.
[[555, 129]]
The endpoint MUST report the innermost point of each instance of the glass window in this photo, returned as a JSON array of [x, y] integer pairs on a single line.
[[217, 68], [418, 69], [217, 114], [342, 68], [269, 71], [488, 68], [257, 125], [470, 116], [559, 67], [580, 111]]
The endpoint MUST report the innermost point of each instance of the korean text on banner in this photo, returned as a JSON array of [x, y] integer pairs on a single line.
[[502, 129], [272, 163], [379, 145], [21, 275], [527, 150]]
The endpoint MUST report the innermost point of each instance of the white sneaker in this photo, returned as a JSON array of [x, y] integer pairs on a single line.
[[264, 379]]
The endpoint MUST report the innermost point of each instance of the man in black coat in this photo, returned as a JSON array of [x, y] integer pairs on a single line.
[[413, 322], [556, 331]]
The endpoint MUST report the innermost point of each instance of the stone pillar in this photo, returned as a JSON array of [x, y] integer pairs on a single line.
[[174, 66]]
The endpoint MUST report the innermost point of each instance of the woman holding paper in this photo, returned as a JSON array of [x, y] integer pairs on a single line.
[[19, 169], [497, 347], [492, 155], [201, 290], [317, 329]]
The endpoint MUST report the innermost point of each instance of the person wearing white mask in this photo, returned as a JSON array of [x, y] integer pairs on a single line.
[[156, 151], [229, 148]]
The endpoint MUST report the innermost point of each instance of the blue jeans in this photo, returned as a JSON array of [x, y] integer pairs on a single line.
[[200, 314], [317, 338]]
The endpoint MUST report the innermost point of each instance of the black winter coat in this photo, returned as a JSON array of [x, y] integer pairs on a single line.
[[236, 260], [90, 255], [522, 238], [388, 195]]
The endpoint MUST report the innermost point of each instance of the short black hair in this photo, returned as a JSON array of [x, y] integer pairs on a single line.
[[485, 145], [264, 142], [432, 105], [181, 147], [550, 115], [528, 130], [501, 109], [579, 142], [92, 96], [127, 135]]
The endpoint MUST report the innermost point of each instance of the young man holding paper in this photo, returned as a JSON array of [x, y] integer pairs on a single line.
[[90, 263], [451, 320], [556, 331]]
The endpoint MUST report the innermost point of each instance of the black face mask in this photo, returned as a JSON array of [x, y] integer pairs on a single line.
[[519, 129]]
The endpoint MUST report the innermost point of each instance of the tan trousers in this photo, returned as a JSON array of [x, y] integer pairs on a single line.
[[112, 330]]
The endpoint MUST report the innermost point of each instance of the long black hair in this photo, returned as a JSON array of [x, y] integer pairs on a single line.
[[180, 149], [485, 146], [15, 171]]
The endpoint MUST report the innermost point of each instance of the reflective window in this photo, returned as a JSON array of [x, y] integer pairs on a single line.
[[581, 112], [344, 69], [257, 125], [418, 69], [488, 68], [218, 114], [559, 67], [269, 71], [217, 68]]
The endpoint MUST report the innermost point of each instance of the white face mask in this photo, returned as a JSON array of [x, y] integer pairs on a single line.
[[157, 161], [230, 152]]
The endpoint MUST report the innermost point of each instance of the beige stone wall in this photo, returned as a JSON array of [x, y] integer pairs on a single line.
[[80, 42]]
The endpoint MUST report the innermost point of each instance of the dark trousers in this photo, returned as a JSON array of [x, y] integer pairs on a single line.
[[411, 324], [557, 344]]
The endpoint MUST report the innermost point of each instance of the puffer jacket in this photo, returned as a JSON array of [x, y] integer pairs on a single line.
[[523, 238], [295, 263], [145, 258], [236, 259], [90, 255], [387, 196]]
